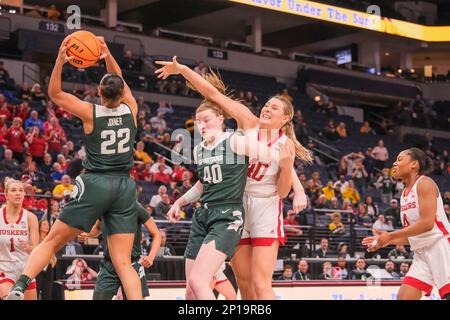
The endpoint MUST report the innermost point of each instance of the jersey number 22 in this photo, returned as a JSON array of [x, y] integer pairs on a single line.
[[111, 137]]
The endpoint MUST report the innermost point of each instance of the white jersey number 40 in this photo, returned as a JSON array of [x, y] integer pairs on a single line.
[[212, 174]]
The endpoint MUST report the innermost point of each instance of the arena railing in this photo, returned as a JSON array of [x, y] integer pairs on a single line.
[[184, 35]]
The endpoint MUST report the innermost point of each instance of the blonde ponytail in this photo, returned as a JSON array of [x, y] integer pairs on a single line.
[[300, 151], [288, 129]]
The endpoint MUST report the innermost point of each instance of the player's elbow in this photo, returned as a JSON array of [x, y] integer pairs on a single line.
[[428, 225]]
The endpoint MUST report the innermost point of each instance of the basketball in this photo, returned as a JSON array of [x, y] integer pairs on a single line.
[[85, 49]]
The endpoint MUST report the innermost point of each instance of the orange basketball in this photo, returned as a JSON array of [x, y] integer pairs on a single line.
[[85, 49]]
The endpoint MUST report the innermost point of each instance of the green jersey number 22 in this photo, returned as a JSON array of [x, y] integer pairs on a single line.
[[212, 174], [111, 137]]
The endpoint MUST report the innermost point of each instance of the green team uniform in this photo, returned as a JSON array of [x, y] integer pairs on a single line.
[[108, 281], [221, 216], [106, 189]]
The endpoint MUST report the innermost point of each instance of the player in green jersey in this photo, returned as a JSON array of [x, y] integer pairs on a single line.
[[105, 189], [221, 160], [108, 281]]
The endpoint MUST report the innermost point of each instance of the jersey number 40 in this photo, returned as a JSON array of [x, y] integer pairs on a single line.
[[212, 174]]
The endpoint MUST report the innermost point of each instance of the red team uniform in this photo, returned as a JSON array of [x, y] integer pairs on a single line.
[[431, 262], [12, 256], [263, 207]]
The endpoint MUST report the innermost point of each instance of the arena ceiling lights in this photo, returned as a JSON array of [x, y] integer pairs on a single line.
[[353, 18]]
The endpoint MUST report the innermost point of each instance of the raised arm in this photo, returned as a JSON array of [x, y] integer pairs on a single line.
[[67, 101], [243, 116], [113, 67]]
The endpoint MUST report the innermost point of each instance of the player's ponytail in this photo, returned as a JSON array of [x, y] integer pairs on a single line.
[[424, 161], [288, 129]]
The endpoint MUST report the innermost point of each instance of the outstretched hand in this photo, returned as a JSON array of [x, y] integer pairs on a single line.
[[174, 213], [62, 53], [380, 240], [169, 68]]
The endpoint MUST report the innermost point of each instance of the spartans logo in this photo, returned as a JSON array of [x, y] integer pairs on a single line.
[[237, 224], [78, 189]]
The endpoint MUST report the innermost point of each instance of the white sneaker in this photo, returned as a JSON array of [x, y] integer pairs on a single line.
[[14, 295]]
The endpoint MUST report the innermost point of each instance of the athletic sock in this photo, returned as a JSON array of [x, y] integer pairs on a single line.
[[22, 284]]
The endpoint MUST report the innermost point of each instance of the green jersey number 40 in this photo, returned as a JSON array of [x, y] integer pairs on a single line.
[[111, 137], [212, 174]]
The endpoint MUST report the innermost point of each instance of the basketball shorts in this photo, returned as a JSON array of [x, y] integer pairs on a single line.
[[108, 282], [221, 223], [11, 271], [431, 268], [264, 221], [96, 195]]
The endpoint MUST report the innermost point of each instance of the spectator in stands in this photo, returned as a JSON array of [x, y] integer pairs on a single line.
[[58, 172], [155, 167], [164, 107], [53, 13], [55, 142], [363, 219], [291, 225], [343, 250], [166, 248], [360, 272], [386, 184], [143, 106], [351, 193], [340, 272], [158, 121], [65, 185], [389, 267], [71, 248], [158, 197], [380, 154], [161, 177], [287, 273], [315, 176], [327, 271], [341, 130], [359, 176], [201, 68], [37, 145], [91, 96], [323, 250], [336, 226], [351, 161], [381, 224], [16, 138], [371, 208], [404, 269], [21, 111], [330, 131], [399, 253], [79, 272], [5, 80], [54, 211], [392, 214], [302, 273], [252, 101], [36, 93], [328, 191], [186, 185], [163, 207], [321, 202], [334, 204], [25, 91], [33, 121], [447, 211], [128, 62], [331, 110], [35, 12], [366, 129], [9, 164], [141, 155], [342, 182]]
